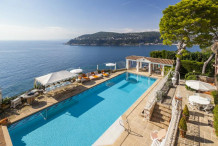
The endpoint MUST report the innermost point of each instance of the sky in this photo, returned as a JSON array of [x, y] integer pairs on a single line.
[[67, 19]]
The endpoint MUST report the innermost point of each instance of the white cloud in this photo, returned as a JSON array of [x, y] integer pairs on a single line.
[[126, 30], [14, 32]]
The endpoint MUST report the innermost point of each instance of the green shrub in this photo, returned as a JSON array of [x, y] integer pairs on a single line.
[[186, 111], [215, 112], [189, 88], [188, 66], [193, 56], [189, 62], [215, 96], [192, 73], [167, 69], [182, 124], [163, 54], [191, 77], [6, 100]]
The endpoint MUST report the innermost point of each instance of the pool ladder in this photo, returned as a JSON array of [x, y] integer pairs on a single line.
[[126, 129], [129, 129], [44, 117]]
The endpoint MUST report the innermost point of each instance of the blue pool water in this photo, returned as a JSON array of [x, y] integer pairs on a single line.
[[81, 119]]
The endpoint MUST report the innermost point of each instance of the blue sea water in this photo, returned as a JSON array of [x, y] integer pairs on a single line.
[[22, 61], [82, 119]]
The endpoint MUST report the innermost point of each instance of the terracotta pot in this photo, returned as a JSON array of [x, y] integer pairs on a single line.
[[182, 133], [5, 106]]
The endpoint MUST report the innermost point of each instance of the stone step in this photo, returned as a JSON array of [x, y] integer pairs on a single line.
[[163, 109], [161, 120], [166, 118], [160, 125], [163, 105], [163, 112]]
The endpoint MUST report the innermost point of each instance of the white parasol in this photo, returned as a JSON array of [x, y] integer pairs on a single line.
[[76, 71], [198, 85]]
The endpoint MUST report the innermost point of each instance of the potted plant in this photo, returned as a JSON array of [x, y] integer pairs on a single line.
[[6, 103], [185, 113], [182, 127]]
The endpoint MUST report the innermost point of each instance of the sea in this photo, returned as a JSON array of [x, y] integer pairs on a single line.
[[22, 61]]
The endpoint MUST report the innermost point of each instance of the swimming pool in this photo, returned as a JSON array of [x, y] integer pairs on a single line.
[[81, 119]]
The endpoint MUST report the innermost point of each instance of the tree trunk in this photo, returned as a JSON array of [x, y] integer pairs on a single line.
[[206, 63], [181, 46], [214, 48]]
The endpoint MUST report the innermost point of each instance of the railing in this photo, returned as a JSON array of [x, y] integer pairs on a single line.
[[173, 126], [148, 109]]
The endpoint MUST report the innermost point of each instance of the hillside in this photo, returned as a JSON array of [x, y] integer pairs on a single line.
[[116, 39]]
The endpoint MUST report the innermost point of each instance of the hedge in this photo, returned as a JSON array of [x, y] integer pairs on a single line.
[[215, 96], [191, 77], [188, 66], [190, 62], [163, 54], [193, 56], [215, 112]]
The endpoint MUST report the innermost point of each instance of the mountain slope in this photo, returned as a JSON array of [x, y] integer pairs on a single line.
[[116, 39]]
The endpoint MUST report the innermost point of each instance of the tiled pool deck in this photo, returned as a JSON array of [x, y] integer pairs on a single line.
[[56, 96]]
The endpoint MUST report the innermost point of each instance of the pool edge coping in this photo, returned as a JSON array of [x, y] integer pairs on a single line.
[[6, 135]]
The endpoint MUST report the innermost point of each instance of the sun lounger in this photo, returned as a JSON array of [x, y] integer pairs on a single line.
[[4, 121], [83, 78], [104, 73], [97, 74], [94, 75], [16, 102]]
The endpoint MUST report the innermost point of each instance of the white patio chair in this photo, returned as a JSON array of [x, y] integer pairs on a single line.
[[155, 142], [16, 102], [208, 108], [191, 105]]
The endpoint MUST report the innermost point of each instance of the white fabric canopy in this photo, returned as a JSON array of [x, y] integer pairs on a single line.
[[110, 64], [76, 71], [54, 77], [198, 85]]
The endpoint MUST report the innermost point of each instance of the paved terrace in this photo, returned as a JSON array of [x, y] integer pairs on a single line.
[[199, 133]]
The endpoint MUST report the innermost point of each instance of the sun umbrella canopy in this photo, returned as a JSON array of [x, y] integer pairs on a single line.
[[198, 85], [110, 64], [55, 77], [76, 71]]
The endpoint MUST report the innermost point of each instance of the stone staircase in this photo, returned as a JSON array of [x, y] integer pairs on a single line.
[[161, 115]]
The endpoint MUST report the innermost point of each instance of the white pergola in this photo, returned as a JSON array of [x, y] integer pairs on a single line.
[[150, 61]]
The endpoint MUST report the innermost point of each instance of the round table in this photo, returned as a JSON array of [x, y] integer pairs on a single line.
[[199, 100], [30, 98]]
